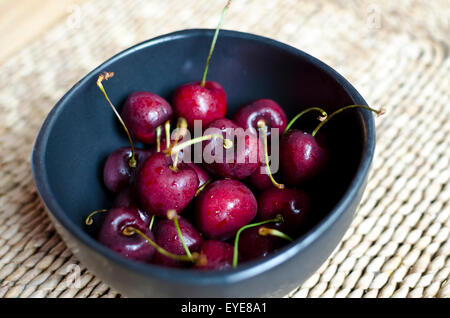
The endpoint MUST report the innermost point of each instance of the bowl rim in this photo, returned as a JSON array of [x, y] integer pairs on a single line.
[[202, 278]]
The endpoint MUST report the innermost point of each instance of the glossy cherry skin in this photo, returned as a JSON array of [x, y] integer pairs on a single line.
[[223, 207], [292, 204], [134, 247], [261, 109], [159, 188], [166, 236], [143, 112], [117, 173], [253, 246], [215, 255], [202, 175], [194, 102], [260, 181], [246, 152], [302, 157]]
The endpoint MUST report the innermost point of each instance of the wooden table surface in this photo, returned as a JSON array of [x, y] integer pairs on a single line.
[[23, 21]]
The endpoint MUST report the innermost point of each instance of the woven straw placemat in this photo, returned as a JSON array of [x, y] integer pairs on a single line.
[[396, 53]]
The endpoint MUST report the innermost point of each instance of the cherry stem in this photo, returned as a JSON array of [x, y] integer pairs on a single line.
[[105, 76], [89, 219], [167, 131], [378, 112], [277, 219], [213, 44], [227, 144], [200, 189], [263, 127], [151, 222], [181, 129], [129, 230], [324, 116], [264, 231], [158, 138], [172, 215], [181, 132]]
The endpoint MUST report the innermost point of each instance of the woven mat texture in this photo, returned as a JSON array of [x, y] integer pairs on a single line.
[[396, 53]]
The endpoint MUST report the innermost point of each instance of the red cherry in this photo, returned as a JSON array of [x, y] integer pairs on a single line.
[[205, 101], [196, 102], [262, 109], [223, 207], [125, 199], [134, 247], [143, 112], [202, 175], [160, 187], [260, 181], [166, 236], [302, 157], [117, 173], [292, 204], [246, 152], [252, 245], [215, 255]]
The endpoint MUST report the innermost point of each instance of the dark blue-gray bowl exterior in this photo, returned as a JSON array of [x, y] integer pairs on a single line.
[[81, 131]]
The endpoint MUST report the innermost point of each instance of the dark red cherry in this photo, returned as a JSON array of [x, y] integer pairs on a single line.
[[202, 175], [223, 207], [252, 245], [302, 157], [160, 187], [125, 199], [204, 100], [166, 236], [292, 204], [196, 102], [117, 173], [262, 109], [238, 162], [143, 112], [134, 247], [215, 255], [260, 181]]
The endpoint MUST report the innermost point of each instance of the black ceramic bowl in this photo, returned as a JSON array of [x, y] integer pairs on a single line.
[[81, 131]]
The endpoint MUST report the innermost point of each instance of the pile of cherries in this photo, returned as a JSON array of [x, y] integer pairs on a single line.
[[206, 216]]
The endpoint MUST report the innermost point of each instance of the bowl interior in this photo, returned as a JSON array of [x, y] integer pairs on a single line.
[[82, 130]]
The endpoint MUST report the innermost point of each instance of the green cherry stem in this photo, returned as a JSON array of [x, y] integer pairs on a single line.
[[263, 129], [324, 116], [379, 112], [158, 138], [89, 219], [181, 132], [227, 144], [277, 219], [104, 77], [129, 231], [172, 215], [167, 131], [264, 231], [213, 44], [151, 222], [200, 189]]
